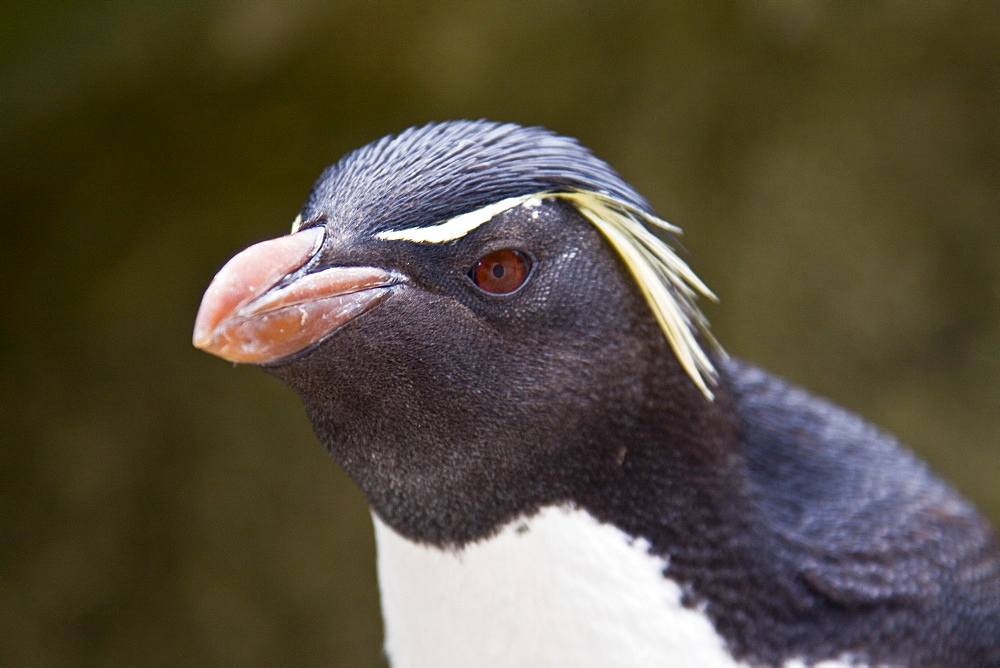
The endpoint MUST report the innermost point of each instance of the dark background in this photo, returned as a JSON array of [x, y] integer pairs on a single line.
[[833, 163]]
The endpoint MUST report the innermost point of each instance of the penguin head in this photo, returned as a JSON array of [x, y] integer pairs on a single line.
[[471, 312]]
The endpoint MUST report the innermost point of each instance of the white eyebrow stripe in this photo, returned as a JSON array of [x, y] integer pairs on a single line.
[[457, 227]]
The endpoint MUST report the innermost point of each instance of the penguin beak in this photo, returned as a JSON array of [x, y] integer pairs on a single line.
[[255, 313]]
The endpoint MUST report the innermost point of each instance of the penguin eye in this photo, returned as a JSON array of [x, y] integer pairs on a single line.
[[501, 272]]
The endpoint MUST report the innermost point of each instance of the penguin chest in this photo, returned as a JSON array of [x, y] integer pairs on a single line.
[[556, 588]]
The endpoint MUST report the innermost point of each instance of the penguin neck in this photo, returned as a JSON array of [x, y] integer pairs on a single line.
[[678, 468], [653, 457]]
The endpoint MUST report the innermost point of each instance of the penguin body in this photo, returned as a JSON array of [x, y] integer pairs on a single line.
[[492, 341]]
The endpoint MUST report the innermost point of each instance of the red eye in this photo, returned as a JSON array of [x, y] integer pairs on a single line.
[[501, 272]]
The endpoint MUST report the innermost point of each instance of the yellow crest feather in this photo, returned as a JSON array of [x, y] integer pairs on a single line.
[[666, 281]]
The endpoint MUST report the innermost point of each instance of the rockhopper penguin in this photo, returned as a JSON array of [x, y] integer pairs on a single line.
[[493, 335]]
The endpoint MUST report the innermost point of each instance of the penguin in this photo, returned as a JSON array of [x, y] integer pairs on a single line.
[[497, 339]]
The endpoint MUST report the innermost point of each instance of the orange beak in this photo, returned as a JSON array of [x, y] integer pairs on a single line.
[[247, 315]]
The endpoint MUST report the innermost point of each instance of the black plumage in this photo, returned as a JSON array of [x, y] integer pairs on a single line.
[[432, 173], [803, 532]]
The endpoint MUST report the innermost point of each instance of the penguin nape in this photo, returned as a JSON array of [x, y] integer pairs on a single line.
[[492, 334]]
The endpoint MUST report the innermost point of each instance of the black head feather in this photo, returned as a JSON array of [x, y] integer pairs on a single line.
[[427, 174]]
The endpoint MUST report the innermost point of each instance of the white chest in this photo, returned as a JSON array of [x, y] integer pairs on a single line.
[[557, 589]]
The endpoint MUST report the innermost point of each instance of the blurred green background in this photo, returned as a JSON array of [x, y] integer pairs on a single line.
[[835, 166]]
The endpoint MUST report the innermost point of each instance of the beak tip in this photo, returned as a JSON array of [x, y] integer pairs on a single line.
[[205, 324], [201, 341], [210, 341]]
